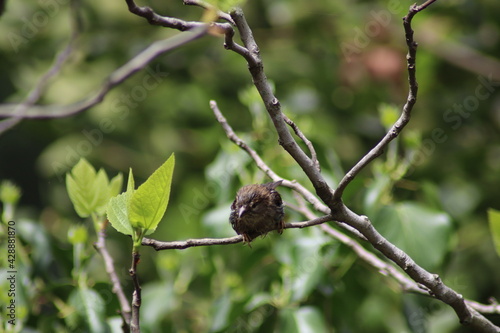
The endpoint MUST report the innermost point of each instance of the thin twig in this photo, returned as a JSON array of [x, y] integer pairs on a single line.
[[180, 245], [125, 311], [308, 143]]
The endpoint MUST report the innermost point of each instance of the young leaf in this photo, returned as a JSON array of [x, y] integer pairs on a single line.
[[150, 200], [115, 185], [101, 192], [494, 221], [89, 190], [80, 187], [117, 209]]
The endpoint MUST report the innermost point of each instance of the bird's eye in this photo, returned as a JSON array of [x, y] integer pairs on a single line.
[[253, 204]]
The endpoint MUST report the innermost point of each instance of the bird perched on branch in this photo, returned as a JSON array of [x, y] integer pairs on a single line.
[[257, 210]]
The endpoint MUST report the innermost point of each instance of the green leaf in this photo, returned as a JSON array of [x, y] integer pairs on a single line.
[[304, 319], [494, 222], [421, 232], [221, 313], [9, 192], [115, 185], [378, 191], [77, 234], [309, 319], [80, 186], [101, 192], [303, 261], [150, 200], [90, 191], [117, 209], [90, 311], [388, 115]]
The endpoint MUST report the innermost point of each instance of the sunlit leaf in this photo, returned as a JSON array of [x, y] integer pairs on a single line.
[[304, 319], [89, 190], [101, 192], [77, 235], [80, 185], [117, 209], [115, 185], [150, 200], [388, 115]]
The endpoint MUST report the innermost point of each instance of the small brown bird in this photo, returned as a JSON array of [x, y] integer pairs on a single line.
[[257, 210]]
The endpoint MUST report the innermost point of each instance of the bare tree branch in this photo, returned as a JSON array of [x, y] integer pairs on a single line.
[[298, 132], [180, 245], [466, 314], [117, 77], [493, 308]]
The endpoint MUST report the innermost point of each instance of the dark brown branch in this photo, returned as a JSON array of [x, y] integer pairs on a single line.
[[136, 295], [125, 311]]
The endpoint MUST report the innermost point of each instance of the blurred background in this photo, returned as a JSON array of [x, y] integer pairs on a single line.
[[339, 70]]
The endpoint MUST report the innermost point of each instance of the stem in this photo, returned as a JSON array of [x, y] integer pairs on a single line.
[[136, 296]]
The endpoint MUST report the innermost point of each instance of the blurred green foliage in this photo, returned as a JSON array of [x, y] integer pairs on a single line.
[[338, 68]]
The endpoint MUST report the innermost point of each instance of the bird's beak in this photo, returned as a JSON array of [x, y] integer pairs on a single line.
[[241, 211]]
